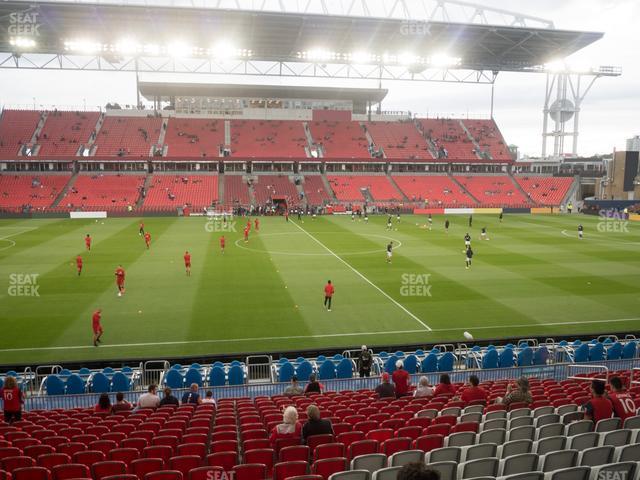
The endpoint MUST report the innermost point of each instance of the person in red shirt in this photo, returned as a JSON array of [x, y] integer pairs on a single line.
[[249, 224], [147, 239], [445, 387], [222, 244], [473, 391], [79, 264], [623, 404], [246, 234], [141, 231], [12, 399], [97, 328], [87, 241], [120, 280], [257, 222], [401, 379], [328, 295], [187, 262], [599, 407]]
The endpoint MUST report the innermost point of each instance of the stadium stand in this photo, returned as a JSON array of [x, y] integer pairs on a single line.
[[494, 191], [269, 186], [434, 190], [103, 191], [488, 136], [37, 191], [399, 140], [128, 136], [16, 130], [350, 187], [545, 190], [64, 132], [236, 190], [191, 137], [197, 191], [448, 134], [314, 190], [340, 139], [267, 138]]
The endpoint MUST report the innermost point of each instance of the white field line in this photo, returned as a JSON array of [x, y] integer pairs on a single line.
[[401, 307], [302, 337]]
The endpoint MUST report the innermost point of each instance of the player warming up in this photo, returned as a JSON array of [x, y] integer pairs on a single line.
[[141, 231], [468, 257], [257, 224], [328, 295], [467, 241], [580, 230], [147, 239], [87, 242], [246, 234], [430, 222], [389, 224], [79, 264], [187, 263], [470, 221], [120, 280], [222, 244], [446, 226], [389, 251], [483, 234], [97, 328]]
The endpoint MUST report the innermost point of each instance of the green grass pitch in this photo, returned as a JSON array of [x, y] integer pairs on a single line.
[[532, 277]]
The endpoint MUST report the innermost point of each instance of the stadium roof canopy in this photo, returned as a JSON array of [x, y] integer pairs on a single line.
[[116, 33]]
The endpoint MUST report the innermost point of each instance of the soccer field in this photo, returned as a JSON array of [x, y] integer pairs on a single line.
[[532, 277]]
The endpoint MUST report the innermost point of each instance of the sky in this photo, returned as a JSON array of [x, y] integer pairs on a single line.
[[610, 113]]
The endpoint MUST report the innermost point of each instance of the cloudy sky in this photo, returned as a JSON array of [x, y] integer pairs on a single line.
[[610, 113]]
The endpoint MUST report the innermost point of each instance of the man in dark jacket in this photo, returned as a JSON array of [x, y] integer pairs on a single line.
[[168, 398], [315, 425], [365, 360], [386, 388]]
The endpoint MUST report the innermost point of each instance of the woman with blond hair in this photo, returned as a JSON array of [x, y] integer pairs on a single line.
[[289, 428], [12, 400]]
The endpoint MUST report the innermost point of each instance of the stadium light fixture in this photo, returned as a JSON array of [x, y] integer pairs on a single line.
[[555, 66], [407, 58], [319, 54], [361, 57], [223, 50], [444, 60], [85, 46], [22, 42], [151, 49], [179, 49], [128, 46]]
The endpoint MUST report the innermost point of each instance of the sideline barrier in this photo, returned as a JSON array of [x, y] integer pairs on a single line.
[[558, 372], [634, 217], [516, 210], [427, 211], [543, 210], [87, 214]]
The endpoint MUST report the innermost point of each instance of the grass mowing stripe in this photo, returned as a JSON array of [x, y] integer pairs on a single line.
[[365, 278]]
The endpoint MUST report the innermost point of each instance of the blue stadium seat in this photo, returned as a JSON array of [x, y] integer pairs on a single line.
[[193, 375], [344, 369], [300, 359], [217, 377], [197, 366], [596, 353], [54, 385], [236, 375], [490, 359], [399, 354], [84, 372], [320, 359], [120, 383], [429, 364], [390, 364], [525, 356], [506, 359], [337, 357], [629, 351], [174, 379], [283, 360], [176, 366], [235, 363], [445, 362], [419, 352], [62, 373], [382, 355], [100, 383], [327, 370], [304, 370], [614, 352], [286, 372], [581, 354], [127, 370], [218, 364], [541, 355], [108, 371], [75, 385], [411, 364]]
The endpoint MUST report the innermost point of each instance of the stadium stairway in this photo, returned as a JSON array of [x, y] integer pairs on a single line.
[[92, 139], [519, 187], [475, 143], [38, 130], [327, 187], [309, 137], [63, 192], [370, 140], [463, 188], [163, 134], [572, 193], [395, 185], [301, 196], [432, 148], [221, 187], [146, 186], [252, 195]]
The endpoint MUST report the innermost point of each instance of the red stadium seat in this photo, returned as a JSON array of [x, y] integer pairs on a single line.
[[11, 463], [126, 455], [31, 473], [35, 451], [426, 443], [163, 452], [328, 466], [226, 460], [88, 457], [142, 466], [71, 448], [70, 471], [100, 470], [206, 473], [363, 447], [285, 470], [250, 471], [314, 440], [50, 460], [164, 475]]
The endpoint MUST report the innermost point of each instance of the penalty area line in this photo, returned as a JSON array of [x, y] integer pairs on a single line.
[[401, 307]]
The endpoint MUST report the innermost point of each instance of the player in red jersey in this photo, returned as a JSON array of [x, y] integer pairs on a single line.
[[286, 215], [187, 262], [97, 328], [246, 234], [328, 294], [147, 239], [249, 224], [257, 222], [222, 244], [87, 241], [623, 404], [79, 264], [141, 231], [120, 280], [12, 399]]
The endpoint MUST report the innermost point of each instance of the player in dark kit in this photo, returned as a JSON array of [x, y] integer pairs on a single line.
[[87, 241], [187, 263], [389, 251], [500, 217], [389, 223], [328, 295], [97, 328], [483, 234], [446, 226], [467, 240], [430, 221], [468, 257], [580, 230], [120, 280], [141, 231], [470, 221], [79, 264]]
